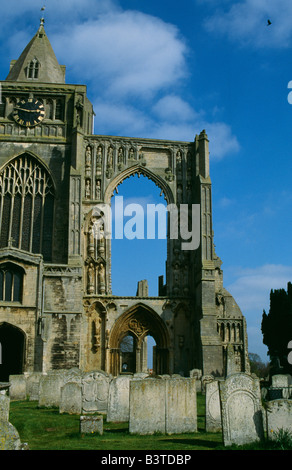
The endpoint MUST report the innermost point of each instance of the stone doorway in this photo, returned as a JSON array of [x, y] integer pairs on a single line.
[[12, 347], [128, 342]]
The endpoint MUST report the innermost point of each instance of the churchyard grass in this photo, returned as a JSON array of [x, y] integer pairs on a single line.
[[47, 429]]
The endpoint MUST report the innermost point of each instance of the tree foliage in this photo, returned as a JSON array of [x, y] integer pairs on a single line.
[[277, 327]]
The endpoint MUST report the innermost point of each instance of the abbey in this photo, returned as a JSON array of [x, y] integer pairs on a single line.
[[57, 308]]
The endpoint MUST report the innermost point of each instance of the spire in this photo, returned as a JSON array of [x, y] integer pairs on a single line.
[[38, 62]]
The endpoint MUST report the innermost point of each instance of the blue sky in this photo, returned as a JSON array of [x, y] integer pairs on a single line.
[[168, 70]]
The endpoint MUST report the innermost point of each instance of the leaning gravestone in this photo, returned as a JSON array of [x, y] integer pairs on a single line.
[[119, 398], [71, 398], [95, 389], [213, 407], [242, 420]]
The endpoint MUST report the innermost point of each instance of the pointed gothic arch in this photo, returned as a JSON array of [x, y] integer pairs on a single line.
[[13, 341], [139, 322], [27, 194], [139, 170]]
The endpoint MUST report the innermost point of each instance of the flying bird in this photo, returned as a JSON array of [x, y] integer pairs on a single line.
[[269, 22]]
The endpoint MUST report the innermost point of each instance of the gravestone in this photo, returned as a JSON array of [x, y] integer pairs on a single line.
[[50, 388], [17, 389], [32, 385], [278, 416], [165, 405], [181, 405], [147, 406], [71, 398], [9, 437], [281, 384], [213, 407], [91, 424], [119, 399], [4, 407], [95, 390], [240, 399]]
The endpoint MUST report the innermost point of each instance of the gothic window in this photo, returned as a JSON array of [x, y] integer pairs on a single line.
[[11, 280], [26, 206], [50, 109], [59, 110], [33, 69], [2, 106]]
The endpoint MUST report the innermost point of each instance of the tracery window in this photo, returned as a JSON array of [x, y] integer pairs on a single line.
[[26, 206], [11, 280], [33, 69]]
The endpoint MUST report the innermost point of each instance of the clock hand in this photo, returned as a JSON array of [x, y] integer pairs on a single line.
[[28, 110]]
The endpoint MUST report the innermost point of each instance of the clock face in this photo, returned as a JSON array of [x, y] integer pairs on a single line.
[[29, 113]]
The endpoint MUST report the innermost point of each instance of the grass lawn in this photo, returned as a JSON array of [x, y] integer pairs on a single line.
[[47, 429]]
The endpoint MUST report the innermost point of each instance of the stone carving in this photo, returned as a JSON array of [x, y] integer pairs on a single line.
[[88, 161], [98, 190], [91, 279], [95, 388], [87, 189]]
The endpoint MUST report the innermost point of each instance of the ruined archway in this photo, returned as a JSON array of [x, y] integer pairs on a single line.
[[12, 346], [139, 322]]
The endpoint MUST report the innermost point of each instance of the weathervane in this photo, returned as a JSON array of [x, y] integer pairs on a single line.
[[43, 14]]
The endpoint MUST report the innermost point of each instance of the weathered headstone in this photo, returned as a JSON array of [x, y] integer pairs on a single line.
[[95, 390], [213, 407], [50, 388], [4, 407], [281, 383], [181, 405], [71, 398], [17, 389], [119, 399], [9, 437], [242, 420], [278, 416], [32, 385], [147, 406], [171, 405], [91, 424]]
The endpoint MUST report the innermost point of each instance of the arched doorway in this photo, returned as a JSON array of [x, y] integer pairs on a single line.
[[128, 341], [12, 346]]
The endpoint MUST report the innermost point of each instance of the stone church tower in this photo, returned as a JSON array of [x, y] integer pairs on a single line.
[[57, 308]]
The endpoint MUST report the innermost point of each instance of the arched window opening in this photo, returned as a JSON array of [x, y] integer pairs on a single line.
[[128, 354], [33, 69], [151, 354], [139, 236], [59, 115], [11, 283], [12, 341], [26, 206]]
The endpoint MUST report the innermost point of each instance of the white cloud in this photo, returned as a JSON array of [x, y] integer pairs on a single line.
[[133, 64], [126, 53], [251, 290], [252, 286], [246, 22]]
